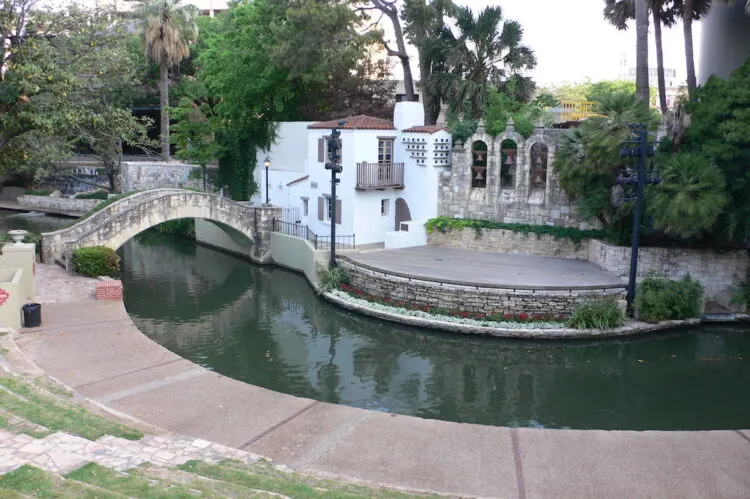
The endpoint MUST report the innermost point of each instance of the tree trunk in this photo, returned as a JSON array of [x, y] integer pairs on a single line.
[[430, 102], [641, 51], [687, 28], [390, 10], [660, 62], [164, 104]]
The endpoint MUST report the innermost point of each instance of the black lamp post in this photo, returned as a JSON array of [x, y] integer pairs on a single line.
[[267, 163], [641, 150], [334, 164]]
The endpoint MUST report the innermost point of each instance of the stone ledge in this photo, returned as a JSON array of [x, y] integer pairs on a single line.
[[630, 329]]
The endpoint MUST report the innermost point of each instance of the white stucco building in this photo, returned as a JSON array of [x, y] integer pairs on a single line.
[[390, 174]]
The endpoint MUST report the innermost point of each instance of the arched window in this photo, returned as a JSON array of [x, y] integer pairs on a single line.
[[538, 165], [479, 164], [508, 161]]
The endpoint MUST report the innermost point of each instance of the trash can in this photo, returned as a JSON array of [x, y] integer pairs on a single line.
[[32, 315]]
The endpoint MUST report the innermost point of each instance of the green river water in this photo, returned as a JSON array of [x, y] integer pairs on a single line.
[[265, 326]]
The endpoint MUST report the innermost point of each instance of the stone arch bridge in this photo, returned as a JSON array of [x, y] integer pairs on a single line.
[[118, 222]]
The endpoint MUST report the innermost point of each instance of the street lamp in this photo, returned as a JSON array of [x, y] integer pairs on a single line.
[[641, 150], [267, 163], [334, 164]]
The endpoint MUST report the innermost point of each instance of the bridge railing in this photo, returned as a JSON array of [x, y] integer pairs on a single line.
[[319, 242]]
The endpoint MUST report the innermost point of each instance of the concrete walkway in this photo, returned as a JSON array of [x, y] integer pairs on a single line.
[[94, 348], [470, 268]]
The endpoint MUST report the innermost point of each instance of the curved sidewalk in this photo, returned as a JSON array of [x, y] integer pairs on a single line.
[[95, 348]]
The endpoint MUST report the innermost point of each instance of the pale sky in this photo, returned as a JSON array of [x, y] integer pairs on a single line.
[[573, 42]]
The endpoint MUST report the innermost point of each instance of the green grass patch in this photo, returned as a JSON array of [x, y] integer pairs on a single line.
[[27, 402], [445, 224], [263, 476], [130, 484], [37, 192], [600, 314], [92, 195], [34, 482]]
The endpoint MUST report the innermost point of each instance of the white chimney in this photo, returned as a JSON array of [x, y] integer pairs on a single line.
[[407, 115]]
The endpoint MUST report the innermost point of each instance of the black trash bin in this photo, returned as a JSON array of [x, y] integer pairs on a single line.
[[32, 315]]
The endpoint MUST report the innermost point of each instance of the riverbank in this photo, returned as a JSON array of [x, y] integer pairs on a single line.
[[94, 348]]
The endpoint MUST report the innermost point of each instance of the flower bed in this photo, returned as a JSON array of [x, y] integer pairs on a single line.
[[518, 321]]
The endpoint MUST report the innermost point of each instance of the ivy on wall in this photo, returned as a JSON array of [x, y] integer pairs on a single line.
[[444, 224]]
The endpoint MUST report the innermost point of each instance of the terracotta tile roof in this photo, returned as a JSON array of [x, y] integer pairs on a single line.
[[427, 129], [359, 122]]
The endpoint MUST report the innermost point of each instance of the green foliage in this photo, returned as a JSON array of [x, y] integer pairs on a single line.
[[72, 84], [92, 195], [182, 227], [30, 238], [720, 132], [588, 157], [461, 129], [37, 192], [97, 261], [594, 91], [658, 299], [741, 292], [332, 278], [195, 173], [600, 314], [690, 197], [444, 224]]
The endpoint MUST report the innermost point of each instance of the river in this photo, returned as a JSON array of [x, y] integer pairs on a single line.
[[265, 326]]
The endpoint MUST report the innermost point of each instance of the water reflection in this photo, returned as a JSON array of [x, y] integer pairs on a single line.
[[264, 325]]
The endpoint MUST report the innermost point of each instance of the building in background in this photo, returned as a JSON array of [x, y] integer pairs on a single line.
[[726, 40]]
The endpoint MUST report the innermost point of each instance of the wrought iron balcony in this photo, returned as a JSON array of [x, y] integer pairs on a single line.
[[377, 176]]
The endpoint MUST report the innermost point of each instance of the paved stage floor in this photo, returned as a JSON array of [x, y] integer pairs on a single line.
[[461, 266]]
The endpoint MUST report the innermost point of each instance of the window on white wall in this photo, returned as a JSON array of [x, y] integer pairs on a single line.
[[385, 150], [384, 207], [305, 206]]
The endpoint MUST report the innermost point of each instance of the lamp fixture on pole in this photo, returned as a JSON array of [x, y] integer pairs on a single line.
[[267, 163], [334, 164]]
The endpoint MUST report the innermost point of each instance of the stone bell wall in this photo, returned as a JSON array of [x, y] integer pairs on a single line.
[[520, 202]]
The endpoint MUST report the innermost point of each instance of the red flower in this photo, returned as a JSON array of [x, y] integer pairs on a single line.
[[522, 317]]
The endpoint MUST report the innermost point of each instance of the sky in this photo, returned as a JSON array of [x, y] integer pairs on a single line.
[[573, 42]]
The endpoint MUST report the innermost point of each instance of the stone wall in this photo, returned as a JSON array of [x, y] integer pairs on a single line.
[[520, 201], [141, 175], [472, 299], [716, 270], [49, 204], [508, 241]]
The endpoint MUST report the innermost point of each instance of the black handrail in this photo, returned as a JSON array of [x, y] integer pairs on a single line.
[[318, 242]]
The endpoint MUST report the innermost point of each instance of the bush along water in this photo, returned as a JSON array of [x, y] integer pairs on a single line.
[[600, 314], [96, 261], [333, 278], [181, 227], [510, 321], [659, 299]]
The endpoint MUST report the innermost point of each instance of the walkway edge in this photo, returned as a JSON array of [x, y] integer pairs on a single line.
[[632, 329]]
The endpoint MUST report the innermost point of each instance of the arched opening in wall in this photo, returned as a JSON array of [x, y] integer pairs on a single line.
[[538, 165], [402, 213], [508, 162], [478, 164]]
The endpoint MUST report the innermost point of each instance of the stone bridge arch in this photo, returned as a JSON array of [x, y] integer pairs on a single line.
[[120, 221]]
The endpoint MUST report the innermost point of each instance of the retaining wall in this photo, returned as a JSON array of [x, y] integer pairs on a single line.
[[473, 299], [141, 175], [50, 204], [508, 241]]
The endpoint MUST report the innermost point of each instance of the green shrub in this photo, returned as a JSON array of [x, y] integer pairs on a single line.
[[600, 314], [333, 279], [38, 192], [659, 299], [92, 195], [182, 227], [741, 293], [31, 237], [443, 224], [195, 173], [96, 261]]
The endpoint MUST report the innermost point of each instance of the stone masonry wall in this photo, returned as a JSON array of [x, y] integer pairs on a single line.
[[520, 202], [50, 204], [716, 270], [141, 175], [508, 241], [473, 299]]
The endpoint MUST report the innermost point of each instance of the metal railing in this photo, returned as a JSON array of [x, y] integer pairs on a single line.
[[575, 110], [379, 175], [319, 242]]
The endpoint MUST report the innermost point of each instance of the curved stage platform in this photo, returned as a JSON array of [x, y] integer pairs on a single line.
[[487, 269]]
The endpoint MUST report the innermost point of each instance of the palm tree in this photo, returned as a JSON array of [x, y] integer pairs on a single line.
[[170, 28], [692, 10], [641, 50], [486, 53], [663, 12]]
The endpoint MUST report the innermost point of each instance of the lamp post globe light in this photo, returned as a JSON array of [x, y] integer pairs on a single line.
[[334, 164], [267, 163]]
